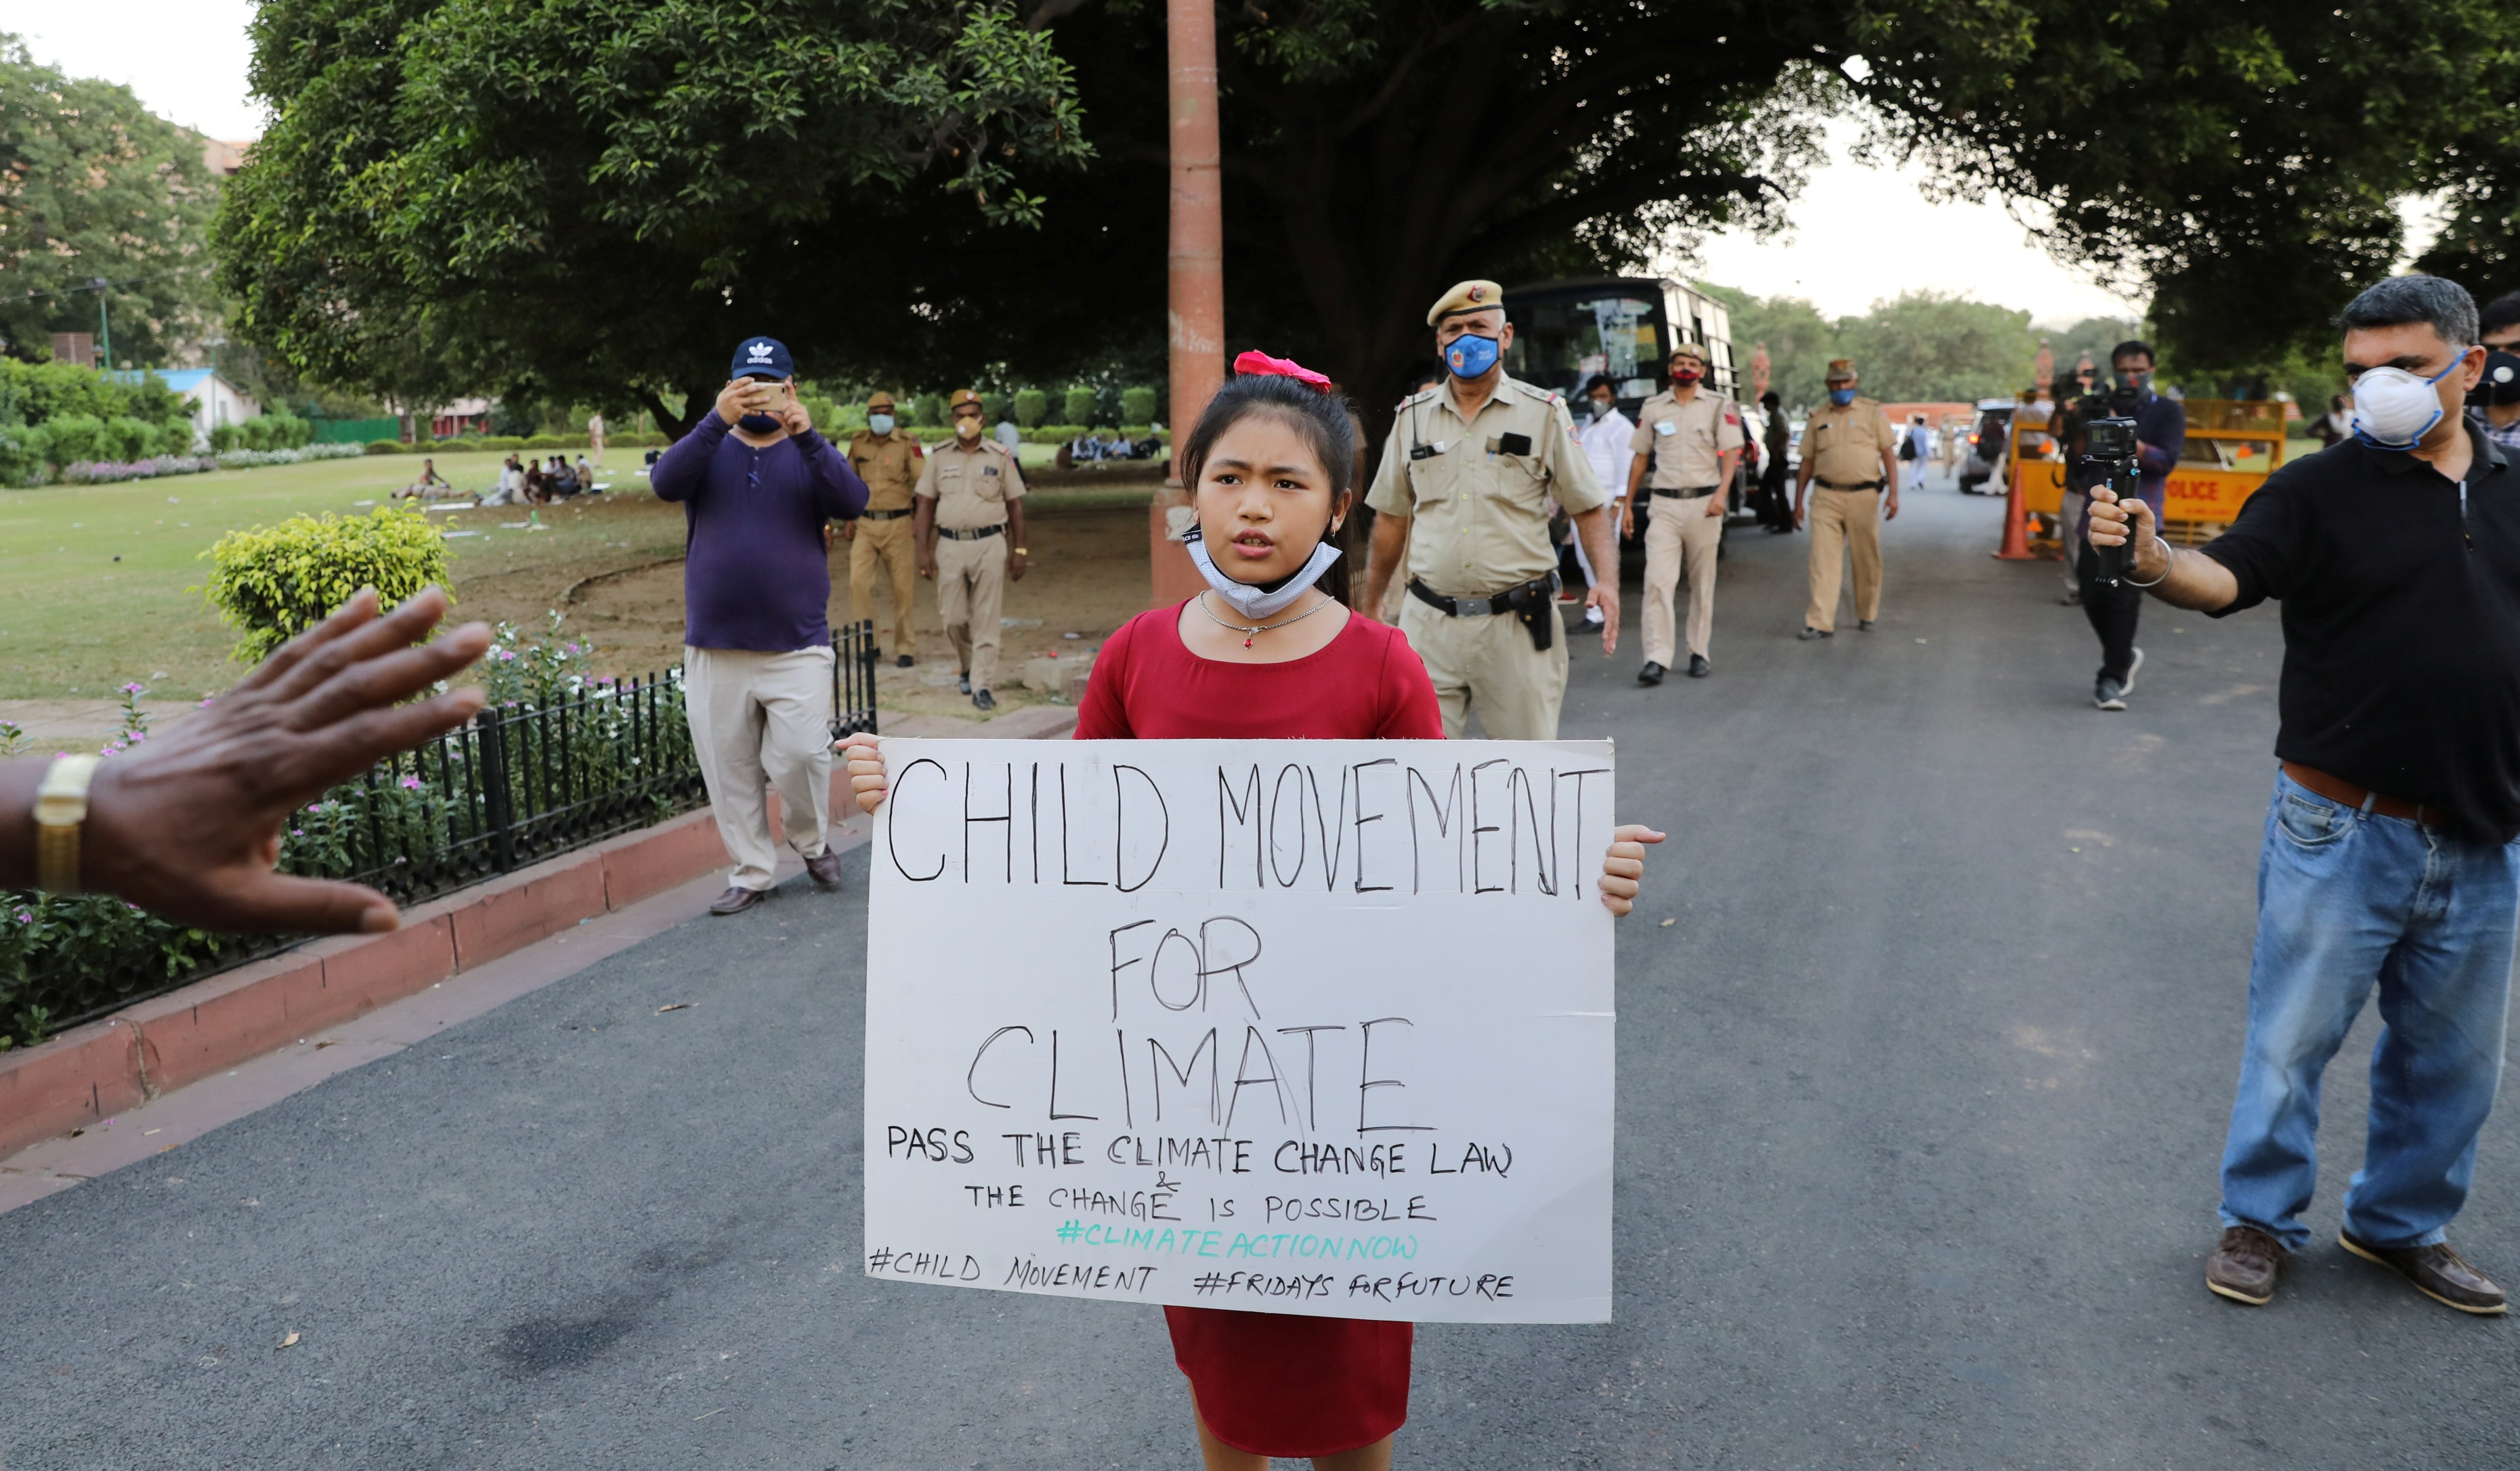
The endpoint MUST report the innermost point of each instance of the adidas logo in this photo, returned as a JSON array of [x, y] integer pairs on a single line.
[[759, 352]]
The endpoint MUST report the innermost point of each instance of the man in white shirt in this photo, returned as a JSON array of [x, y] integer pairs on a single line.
[[1605, 440]]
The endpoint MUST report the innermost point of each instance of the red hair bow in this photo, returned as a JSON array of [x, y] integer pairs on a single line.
[[1262, 362]]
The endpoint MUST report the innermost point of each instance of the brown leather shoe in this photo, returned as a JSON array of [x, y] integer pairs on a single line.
[[737, 900], [2245, 1265], [2437, 1272], [823, 868]]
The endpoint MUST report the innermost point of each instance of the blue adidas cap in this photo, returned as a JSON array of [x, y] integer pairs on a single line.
[[762, 358]]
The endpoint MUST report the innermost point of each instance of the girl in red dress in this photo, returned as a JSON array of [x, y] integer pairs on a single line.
[[1272, 651]]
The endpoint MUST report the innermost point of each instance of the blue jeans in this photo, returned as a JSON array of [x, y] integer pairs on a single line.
[[2346, 898]]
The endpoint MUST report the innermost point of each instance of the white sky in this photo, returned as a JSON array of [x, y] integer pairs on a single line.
[[1860, 234], [185, 58]]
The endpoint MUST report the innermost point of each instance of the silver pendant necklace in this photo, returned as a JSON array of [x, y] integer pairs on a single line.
[[1250, 631]]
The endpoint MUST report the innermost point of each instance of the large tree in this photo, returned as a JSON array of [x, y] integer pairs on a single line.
[[592, 200], [93, 186]]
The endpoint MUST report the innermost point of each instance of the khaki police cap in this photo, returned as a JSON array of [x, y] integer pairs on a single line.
[[1469, 296], [880, 400], [1686, 348], [1841, 370], [960, 398]]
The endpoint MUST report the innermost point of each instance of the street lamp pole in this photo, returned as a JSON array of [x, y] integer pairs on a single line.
[[1195, 274], [103, 320]]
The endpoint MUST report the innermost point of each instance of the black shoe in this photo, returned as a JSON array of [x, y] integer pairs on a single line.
[[904, 661], [984, 700], [2436, 1271], [966, 681], [736, 900], [1651, 674], [1809, 633], [823, 868], [1865, 624], [1698, 668]]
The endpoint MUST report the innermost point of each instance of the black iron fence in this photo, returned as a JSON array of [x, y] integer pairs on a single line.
[[526, 780]]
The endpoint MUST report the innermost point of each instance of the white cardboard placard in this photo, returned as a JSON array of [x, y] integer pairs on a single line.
[[1311, 1027]]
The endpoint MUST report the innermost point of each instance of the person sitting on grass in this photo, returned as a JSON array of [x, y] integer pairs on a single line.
[[429, 487]]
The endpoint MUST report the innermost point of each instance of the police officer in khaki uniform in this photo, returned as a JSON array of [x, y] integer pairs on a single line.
[[971, 532], [1688, 439], [889, 464], [1849, 447], [1465, 486]]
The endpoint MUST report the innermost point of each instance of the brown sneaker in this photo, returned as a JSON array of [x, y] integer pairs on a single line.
[[737, 900], [2244, 1267], [2437, 1272], [823, 868]]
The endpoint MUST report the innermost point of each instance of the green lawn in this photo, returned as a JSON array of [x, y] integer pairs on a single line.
[[99, 584], [102, 582]]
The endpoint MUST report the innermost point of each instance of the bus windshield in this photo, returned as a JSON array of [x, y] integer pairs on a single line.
[[1561, 344]]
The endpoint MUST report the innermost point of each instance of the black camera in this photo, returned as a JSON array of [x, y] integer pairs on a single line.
[[2109, 459]]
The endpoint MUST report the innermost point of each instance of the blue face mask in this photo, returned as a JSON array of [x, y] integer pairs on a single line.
[[1471, 355], [881, 424], [1841, 397]]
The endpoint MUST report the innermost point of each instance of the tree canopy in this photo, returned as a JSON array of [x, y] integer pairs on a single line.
[[94, 186], [593, 201]]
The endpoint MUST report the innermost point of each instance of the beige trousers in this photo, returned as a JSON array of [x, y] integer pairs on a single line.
[[890, 544], [762, 720], [970, 588], [1679, 532], [1489, 662], [1844, 522]]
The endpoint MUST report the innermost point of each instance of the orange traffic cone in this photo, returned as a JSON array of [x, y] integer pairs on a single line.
[[2016, 523]]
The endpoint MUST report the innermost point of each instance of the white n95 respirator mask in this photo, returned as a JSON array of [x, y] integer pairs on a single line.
[[2393, 408]]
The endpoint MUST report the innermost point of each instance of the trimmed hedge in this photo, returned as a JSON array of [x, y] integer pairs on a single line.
[[384, 446], [273, 584]]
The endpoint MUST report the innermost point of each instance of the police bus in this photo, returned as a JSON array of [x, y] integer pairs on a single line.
[[1623, 326]]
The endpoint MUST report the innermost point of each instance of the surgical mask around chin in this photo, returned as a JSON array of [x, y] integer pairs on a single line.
[[2394, 409], [1471, 355], [966, 428], [881, 424], [1841, 397], [1254, 602], [1684, 377]]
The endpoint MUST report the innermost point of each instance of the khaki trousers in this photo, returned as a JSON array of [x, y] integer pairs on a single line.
[[1844, 522], [971, 588], [1489, 662], [762, 720], [1679, 532], [890, 544]]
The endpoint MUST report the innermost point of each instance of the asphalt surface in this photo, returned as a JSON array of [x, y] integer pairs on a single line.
[[1920, 1101]]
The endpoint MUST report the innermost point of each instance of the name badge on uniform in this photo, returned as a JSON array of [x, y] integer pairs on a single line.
[[988, 469], [1664, 428]]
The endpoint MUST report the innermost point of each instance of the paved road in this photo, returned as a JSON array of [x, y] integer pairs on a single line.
[[1920, 1100]]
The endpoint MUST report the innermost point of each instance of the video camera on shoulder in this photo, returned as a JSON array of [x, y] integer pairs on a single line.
[[2109, 459]]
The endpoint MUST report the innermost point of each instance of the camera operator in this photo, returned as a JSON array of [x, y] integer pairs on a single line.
[[2388, 854], [2159, 430]]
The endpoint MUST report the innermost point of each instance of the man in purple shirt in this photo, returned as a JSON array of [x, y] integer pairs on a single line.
[[757, 485]]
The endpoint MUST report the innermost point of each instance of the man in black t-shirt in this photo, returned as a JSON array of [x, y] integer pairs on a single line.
[[2389, 853]]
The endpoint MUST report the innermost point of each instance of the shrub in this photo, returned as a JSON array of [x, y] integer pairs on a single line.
[[384, 446], [1032, 405], [502, 443], [274, 584], [545, 441], [656, 438], [102, 473], [226, 437], [23, 452], [126, 438], [1137, 405], [285, 431], [75, 437], [1080, 405]]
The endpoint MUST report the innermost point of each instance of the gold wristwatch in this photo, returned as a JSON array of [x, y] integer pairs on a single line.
[[60, 805]]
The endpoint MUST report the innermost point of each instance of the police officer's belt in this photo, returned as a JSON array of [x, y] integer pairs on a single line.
[[886, 515], [1512, 600], [1830, 484], [975, 534], [1694, 492]]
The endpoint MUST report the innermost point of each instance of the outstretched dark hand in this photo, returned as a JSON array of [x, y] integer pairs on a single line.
[[188, 825]]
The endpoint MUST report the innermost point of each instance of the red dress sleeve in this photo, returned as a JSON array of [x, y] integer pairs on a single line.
[[1404, 695], [1104, 714]]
